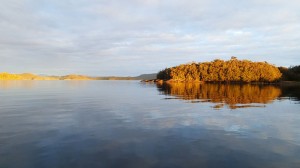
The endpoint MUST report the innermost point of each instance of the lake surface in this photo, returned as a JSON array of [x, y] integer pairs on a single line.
[[89, 124]]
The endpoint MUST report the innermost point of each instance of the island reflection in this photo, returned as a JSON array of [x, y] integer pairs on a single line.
[[232, 95]]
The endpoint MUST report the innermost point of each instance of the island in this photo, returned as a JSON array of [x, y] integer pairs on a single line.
[[232, 70]]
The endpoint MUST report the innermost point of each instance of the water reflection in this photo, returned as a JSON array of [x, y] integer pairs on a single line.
[[233, 95], [11, 84], [292, 92], [126, 124]]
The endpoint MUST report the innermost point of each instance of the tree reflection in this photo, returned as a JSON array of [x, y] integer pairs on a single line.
[[234, 95], [292, 92]]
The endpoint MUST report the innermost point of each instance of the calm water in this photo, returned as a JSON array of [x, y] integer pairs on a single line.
[[53, 124]]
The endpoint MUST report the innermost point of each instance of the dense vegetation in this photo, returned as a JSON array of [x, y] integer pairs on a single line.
[[233, 70], [235, 95], [291, 73]]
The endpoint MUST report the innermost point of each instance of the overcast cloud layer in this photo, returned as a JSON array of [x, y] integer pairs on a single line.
[[130, 37]]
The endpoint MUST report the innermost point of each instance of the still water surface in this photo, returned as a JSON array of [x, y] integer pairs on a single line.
[[53, 124]]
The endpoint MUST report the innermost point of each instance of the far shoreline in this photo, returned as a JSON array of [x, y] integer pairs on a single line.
[[4, 76]]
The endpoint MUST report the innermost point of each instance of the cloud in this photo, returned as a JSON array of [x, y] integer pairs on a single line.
[[137, 36]]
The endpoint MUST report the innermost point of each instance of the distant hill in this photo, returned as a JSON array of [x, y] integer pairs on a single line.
[[75, 77], [29, 76], [25, 76], [146, 76]]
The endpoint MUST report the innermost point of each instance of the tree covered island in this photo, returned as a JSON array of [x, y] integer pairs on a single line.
[[233, 70]]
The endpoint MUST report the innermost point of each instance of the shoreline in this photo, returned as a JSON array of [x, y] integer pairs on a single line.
[[67, 79], [289, 83], [282, 83]]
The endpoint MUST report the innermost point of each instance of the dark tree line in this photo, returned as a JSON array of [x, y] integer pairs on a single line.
[[233, 70], [291, 73]]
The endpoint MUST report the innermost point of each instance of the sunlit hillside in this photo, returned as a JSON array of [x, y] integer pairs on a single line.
[[75, 77], [24, 76]]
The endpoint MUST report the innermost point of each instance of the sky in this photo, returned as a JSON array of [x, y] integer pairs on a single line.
[[132, 37]]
